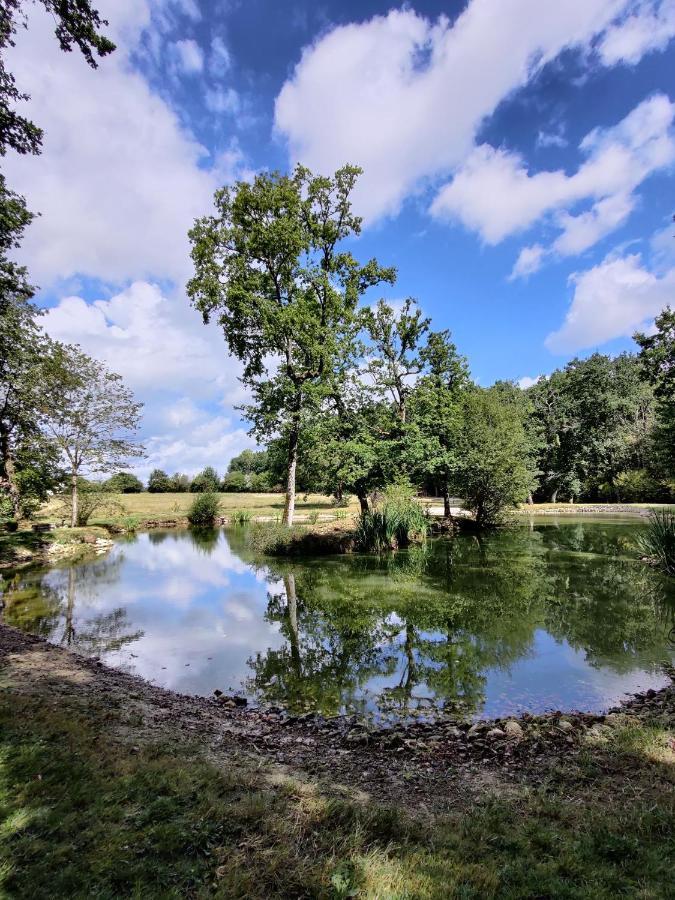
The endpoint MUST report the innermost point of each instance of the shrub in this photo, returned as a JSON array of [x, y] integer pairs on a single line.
[[658, 541], [91, 498], [637, 485], [204, 509], [234, 482]]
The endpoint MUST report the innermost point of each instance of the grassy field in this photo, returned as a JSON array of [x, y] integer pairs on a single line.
[[89, 809], [147, 506]]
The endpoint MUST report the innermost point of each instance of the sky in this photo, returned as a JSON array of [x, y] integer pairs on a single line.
[[518, 163]]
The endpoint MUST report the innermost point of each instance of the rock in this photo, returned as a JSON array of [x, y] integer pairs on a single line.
[[495, 733], [513, 730], [565, 725], [240, 701], [218, 692], [474, 730]]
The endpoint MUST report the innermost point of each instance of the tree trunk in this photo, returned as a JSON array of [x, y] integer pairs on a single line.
[[363, 500], [75, 510], [10, 474], [446, 502], [289, 506], [554, 496], [294, 635], [530, 499]]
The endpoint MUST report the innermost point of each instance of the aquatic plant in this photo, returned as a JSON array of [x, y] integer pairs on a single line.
[[241, 517], [658, 540], [396, 522], [204, 509]]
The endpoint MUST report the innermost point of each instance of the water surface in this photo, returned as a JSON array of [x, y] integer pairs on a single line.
[[550, 615]]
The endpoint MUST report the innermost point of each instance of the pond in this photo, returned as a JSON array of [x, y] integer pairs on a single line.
[[550, 615]]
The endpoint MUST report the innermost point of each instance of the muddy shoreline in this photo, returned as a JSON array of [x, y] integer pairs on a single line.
[[430, 764]]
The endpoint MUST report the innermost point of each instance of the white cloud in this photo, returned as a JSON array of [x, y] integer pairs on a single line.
[[222, 100], [189, 56], [526, 381], [403, 97], [551, 139], [613, 299], [529, 261], [650, 27], [120, 180], [494, 194]]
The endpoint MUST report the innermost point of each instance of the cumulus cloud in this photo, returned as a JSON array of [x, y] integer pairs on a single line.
[[613, 299], [120, 180], [404, 97], [527, 381], [650, 27], [494, 194]]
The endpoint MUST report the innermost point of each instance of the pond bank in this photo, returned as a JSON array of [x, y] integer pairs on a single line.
[[24, 548], [114, 787]]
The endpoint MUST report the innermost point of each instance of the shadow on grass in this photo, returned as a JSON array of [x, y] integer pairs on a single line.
[[85, 814]]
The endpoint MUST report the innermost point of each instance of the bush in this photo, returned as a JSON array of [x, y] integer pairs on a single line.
[[91, 498], [396, 522], [204, 509], [638, 486], [658, 541], [234, 482]]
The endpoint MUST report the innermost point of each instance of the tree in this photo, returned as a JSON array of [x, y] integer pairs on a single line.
[[235, 482], [206, 482], [495, 468], [269, 269], [78, 24], [179, 483], [395, 355], [436, 413], [249, 462], [89, 414], [657, 357], [22, 346], [159, 482], [124, 483]]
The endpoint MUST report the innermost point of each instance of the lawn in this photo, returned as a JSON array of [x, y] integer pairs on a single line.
[[146, 506], [87, 809]]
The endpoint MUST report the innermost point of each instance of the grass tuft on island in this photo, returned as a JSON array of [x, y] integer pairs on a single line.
[[108, 788]]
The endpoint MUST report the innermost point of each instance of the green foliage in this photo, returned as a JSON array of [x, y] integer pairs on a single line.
[[92, 500], [495, 468], [204, 509], [179, 483], [658, 541], [270, 270], [273, 538], [234, 482], [640, 485], [159, 482], [123, 483], [657, 356], [395, 522], [207, 481]]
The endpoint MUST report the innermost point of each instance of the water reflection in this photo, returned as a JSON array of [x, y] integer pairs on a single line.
[[546, 615]]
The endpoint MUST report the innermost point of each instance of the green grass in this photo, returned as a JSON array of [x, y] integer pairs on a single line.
[[83, 813], [147, 506], [658, 539]]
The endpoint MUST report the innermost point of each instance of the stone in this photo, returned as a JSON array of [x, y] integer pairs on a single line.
[[513, 730], [565, 725], [495, 733]]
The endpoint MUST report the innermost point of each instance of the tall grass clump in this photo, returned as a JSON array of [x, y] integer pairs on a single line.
[[658, 540], [204, 509], [397, 521], [241, 517]]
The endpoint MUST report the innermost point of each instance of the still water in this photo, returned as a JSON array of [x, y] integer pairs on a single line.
[[554, 615]]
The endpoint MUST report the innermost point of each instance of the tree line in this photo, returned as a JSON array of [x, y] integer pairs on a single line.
[[349, 398]]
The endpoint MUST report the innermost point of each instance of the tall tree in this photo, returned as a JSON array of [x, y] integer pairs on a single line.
[[269, 269], [89, 415], [657, 356], [436, 413]]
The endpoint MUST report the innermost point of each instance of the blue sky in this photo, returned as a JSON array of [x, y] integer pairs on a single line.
[[518, 171]]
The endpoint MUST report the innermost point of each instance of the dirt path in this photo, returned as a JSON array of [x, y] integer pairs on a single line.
[[426, 766]]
